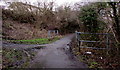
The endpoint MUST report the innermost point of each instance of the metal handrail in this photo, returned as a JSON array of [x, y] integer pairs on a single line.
[[79, 40], [93, 48], [92, 33]]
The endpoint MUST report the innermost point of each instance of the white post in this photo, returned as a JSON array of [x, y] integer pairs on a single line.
[[54, 33], [57, 32], [76, 34], [48, 33]]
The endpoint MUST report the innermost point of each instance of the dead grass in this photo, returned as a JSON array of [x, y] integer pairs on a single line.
[[15, 30]]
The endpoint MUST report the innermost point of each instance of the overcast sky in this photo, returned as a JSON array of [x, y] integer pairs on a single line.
[[58, 2]]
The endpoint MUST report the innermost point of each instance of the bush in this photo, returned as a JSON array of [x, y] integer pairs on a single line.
[[21, 17], [69, 27], [6, 14], [88, 16]]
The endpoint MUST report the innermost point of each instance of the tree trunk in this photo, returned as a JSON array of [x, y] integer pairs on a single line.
[[116, 19]]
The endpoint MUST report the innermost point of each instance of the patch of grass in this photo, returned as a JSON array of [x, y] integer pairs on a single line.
[[93, 64], [36, 41], [53, 39], [10, 57]]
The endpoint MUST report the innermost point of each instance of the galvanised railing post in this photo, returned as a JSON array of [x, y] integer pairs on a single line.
[[79, 40], [76, 34], [107, 42], [78, 37]]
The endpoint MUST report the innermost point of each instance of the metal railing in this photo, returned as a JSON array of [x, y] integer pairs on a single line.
[[79, 40]]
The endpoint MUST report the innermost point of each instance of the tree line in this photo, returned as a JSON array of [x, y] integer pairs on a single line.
[[91, 17]]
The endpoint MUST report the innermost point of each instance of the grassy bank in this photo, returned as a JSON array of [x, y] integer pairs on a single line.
[[36, 41]]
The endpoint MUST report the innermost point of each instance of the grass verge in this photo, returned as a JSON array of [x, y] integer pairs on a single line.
[[36, 41], [12, 58]]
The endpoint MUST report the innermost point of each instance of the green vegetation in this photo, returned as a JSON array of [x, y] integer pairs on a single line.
[[36, 41], [97, 17], [89, 16], [10, 57], [70, 27], [93, 64], [92, 17], [13, 58]]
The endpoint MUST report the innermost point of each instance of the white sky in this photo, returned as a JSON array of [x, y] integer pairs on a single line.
[[58, 2]]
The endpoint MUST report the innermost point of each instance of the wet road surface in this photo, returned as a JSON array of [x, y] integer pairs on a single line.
[[54, 56]]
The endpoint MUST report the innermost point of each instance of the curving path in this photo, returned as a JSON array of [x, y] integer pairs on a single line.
[[54, 56]]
